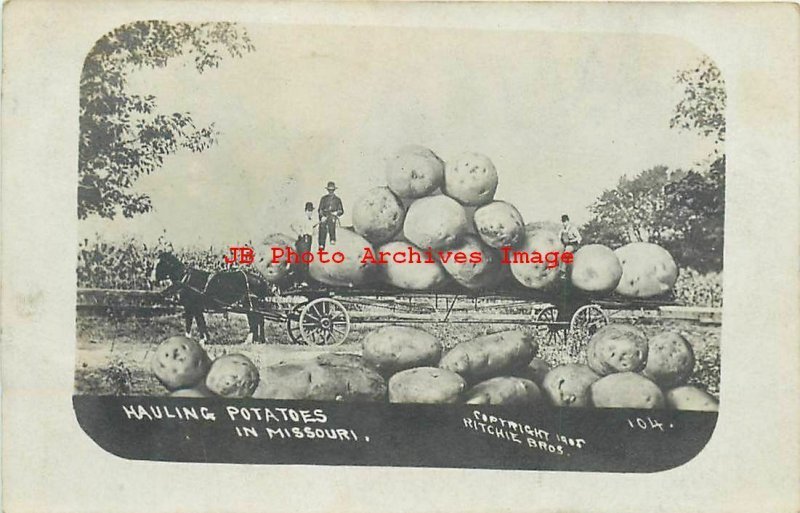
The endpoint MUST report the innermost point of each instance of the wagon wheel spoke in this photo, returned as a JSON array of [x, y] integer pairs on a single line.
[[313, 317]]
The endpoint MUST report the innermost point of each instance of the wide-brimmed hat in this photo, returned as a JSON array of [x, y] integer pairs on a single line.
[[331, 186]]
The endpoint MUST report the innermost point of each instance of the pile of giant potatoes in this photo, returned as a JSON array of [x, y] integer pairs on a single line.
[[428, 205], [402, 364]]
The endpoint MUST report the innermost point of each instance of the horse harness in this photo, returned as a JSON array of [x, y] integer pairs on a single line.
[[187, 275]]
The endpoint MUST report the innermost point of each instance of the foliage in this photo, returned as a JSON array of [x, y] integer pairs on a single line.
[[697, 289], [634, 211], [128, 264], [702, 108], [682, 211], [124, 135]]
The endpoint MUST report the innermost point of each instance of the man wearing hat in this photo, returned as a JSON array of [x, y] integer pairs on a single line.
[[330, 208]]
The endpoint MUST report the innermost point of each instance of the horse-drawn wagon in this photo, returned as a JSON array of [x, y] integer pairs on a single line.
[[318, 315]]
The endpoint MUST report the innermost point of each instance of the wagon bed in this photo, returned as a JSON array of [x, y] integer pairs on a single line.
[[321, 315]]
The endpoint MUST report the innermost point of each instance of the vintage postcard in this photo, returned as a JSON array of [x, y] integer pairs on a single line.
[[481, 240]]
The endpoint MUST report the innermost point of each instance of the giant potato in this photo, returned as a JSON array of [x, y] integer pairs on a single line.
[[534, 371], [691, 398], [426, 385], [670, 360], [617, 348], [233, 375], [499, 224], [392, 349], [180, 362], [648, 270], [504, 390], [410, 276], [626, 390], [378, 215], [322, 380], [414, 172], [595, 269], [438, 222], [537, 275], [474, 276], [491, 355], [568, 385], [352, 271], [278, 271], [471, 179]]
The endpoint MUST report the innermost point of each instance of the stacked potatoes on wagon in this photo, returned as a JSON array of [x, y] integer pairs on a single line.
[[428, 204]]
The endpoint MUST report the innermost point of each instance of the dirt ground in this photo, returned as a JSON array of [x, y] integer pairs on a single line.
[[113, 354]]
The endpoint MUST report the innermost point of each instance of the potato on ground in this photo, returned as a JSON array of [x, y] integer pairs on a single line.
[[670, 360], [471, 179], [180, 362], [438, 222], [341, 360], [504, 390], [537, 275], [497, 354], [568, 385], [410, 276], [595, 269], [626, 390], [691, 398], [480, 275], [499, 224], [414, 172], [648, 270], [430, 385], [233, 375], [378, 215], [534, 371], [617, 348], [322, 380], [391, 349], [278, 271], [351, 272]]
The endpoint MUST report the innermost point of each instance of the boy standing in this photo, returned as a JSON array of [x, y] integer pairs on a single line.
[[304, 228]]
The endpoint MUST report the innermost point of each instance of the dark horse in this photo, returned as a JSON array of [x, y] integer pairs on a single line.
[[200, 290]]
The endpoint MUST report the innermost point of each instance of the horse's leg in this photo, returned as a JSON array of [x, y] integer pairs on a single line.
[[252, 323], [188, 317], [201, 325]]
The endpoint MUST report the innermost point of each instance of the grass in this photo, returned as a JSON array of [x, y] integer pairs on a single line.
[[114, 354]]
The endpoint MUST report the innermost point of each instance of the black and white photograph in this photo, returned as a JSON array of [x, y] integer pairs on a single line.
[[340, 215], [384, 257]]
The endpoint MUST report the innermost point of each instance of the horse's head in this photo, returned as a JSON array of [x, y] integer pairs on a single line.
[[167, 266]]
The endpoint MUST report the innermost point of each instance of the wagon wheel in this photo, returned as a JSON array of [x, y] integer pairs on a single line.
[[547, 327], [293, 324], [585, 322], [324, 321]]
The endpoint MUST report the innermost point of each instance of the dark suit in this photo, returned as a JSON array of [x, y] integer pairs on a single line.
[[330, 208]]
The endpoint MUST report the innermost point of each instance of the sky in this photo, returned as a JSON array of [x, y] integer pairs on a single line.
[[562, 116]]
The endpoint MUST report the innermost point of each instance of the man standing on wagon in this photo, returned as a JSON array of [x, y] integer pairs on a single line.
[[330, 208]]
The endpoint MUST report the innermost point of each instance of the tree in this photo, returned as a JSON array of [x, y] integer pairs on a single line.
[[702, 108], [123, 135], [635, 211], [697, 202]]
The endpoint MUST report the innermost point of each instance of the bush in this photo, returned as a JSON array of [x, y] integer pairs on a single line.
[[696, 289]]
